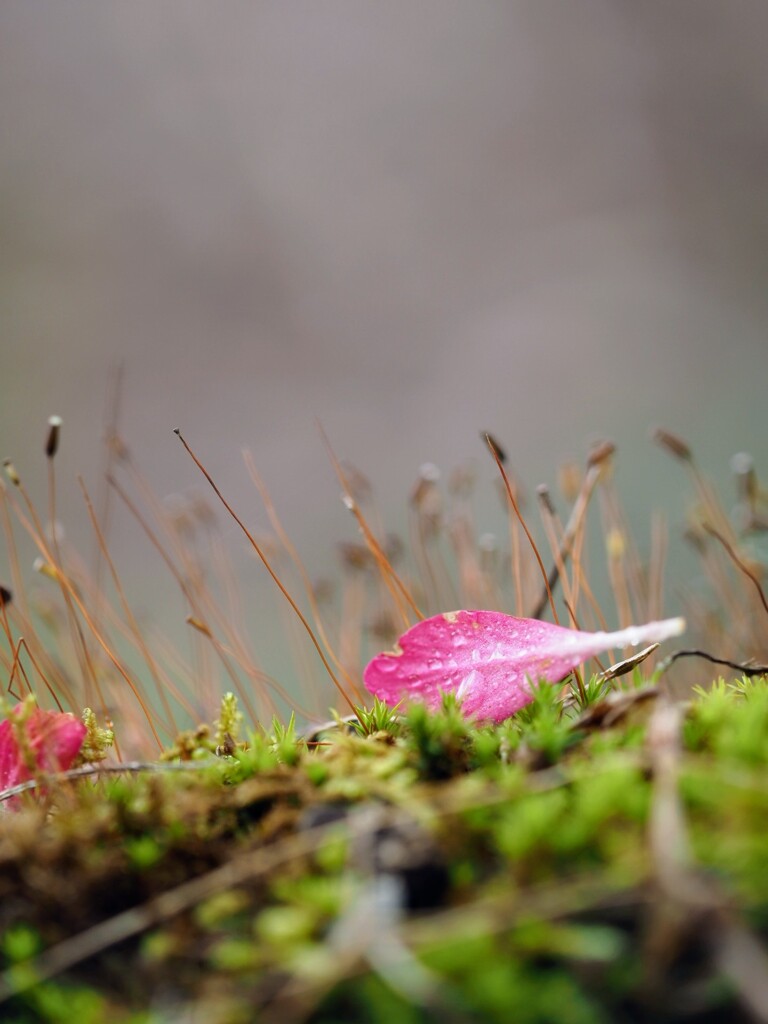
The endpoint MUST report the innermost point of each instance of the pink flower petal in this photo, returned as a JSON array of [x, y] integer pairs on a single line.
[[488, 659], [53, 737]]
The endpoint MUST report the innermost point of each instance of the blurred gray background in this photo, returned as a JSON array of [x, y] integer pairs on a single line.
[[411, 220]]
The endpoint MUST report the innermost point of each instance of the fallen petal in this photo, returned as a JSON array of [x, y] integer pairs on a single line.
[[53, 739], [488, 659]]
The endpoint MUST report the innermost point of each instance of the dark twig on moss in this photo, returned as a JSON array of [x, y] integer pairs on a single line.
[[741, 666]]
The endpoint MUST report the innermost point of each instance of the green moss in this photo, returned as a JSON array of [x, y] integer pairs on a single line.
[[522, 855]]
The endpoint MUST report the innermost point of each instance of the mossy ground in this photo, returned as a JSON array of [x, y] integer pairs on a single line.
[[601, 856], [571, 865]]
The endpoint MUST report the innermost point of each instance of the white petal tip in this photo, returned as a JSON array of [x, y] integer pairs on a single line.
[[675, 626]]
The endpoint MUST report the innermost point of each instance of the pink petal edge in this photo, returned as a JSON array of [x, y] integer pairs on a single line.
[[488, 659], [55, 738]]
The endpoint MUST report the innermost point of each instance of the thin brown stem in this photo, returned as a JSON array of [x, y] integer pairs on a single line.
[[17, 662], [290, 547], [737, 561], [572, 528], [391, 578], [265, 561], [172, 727], [513, 502], [198, 619]]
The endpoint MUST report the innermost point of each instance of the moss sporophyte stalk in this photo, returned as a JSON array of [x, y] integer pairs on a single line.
[[492, 825]]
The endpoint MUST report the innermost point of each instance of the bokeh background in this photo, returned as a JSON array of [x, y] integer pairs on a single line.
[[411, 221]]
